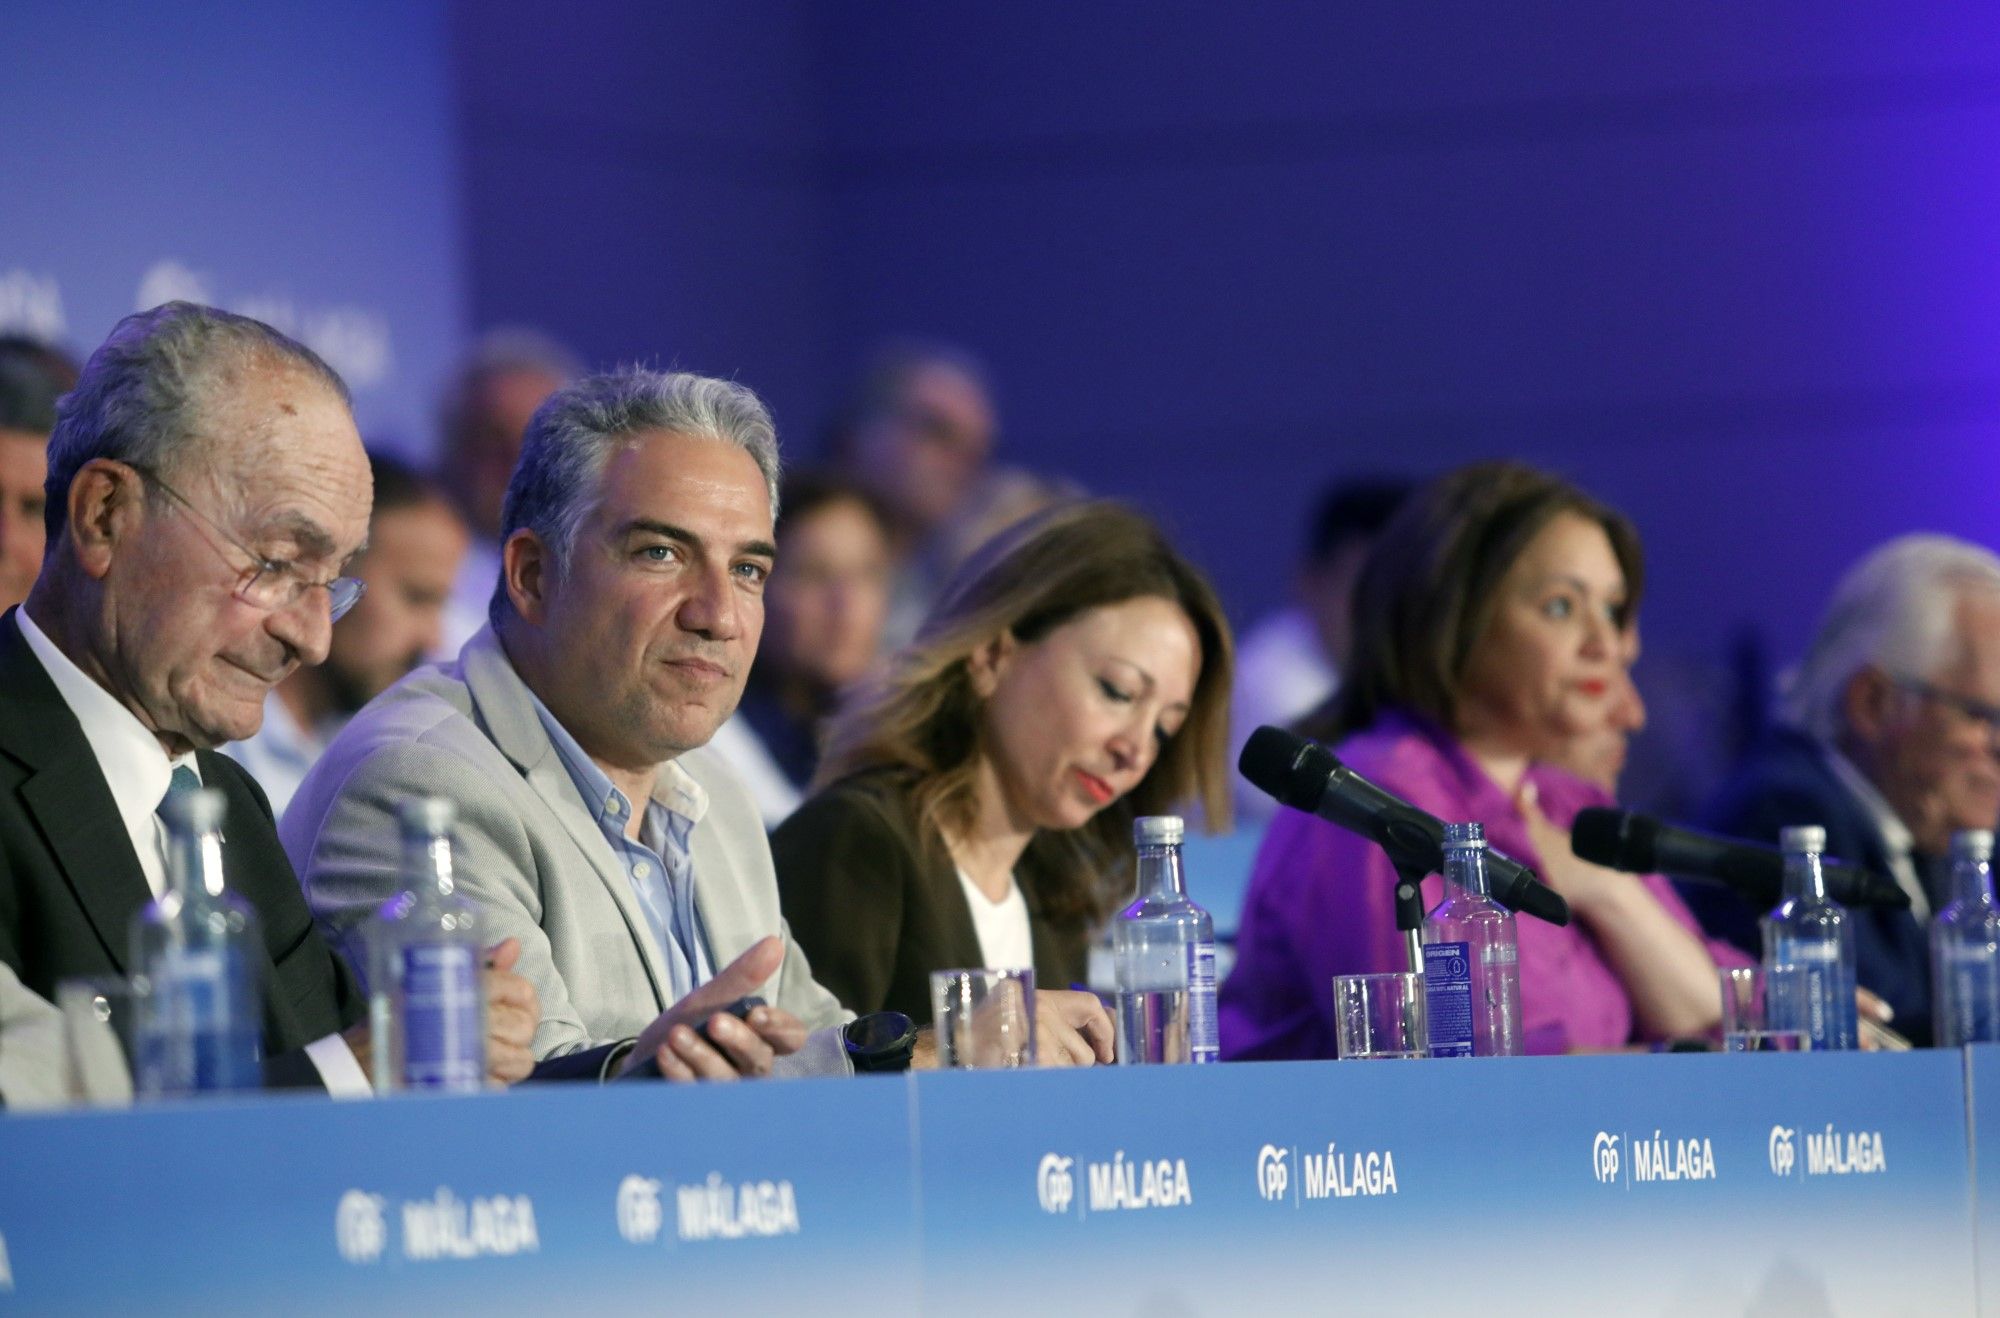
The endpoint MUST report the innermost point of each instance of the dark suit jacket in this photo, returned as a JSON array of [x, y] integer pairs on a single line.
[[874, 900], [70, 882], [1786, 781]]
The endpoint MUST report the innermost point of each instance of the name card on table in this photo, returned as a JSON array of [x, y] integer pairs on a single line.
[[786, 1196], [1702, 1183], [1982, 1063]]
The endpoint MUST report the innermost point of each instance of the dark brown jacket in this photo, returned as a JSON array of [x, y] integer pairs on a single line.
[[874, 900]]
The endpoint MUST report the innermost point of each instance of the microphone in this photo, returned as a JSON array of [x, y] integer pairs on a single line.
[[1307, 776], [1638, 844]]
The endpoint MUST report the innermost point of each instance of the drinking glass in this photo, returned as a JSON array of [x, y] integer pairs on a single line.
[[1380, 1016], [1749, 996], [985, 1019]]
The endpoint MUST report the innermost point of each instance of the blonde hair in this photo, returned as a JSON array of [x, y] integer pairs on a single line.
[[918, 714]]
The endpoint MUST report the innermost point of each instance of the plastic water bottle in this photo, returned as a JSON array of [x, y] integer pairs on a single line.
[[1965, 948], [1163, 950], [427, 1004], [1813, 938], [1472, 958], [199, 1023]]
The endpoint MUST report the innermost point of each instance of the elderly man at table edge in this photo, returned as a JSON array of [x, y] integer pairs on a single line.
[[594, 822], [206, 484], [1890, 737]]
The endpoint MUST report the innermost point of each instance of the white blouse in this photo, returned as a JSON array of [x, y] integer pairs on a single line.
[[1004, 940]]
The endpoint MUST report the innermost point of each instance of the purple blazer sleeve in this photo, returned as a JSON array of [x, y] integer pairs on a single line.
[[1321, 903]]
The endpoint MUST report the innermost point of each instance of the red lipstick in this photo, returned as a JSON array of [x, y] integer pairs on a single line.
[[1096, 788]]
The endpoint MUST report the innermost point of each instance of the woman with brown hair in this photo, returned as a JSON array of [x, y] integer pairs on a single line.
[[1493, 624], [976, 799]]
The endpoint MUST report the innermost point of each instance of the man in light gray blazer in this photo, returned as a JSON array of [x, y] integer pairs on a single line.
[[591, 825]]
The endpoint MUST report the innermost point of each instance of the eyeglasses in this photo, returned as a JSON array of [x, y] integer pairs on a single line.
[[1976, 710], [268, 583]]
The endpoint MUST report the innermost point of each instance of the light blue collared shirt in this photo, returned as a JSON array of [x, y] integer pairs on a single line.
[[660, 864]]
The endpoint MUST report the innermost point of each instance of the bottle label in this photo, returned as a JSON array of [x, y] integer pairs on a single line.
[[1817, 1000], [1448, 998], [1203, 1044], [199, 1031], [1969, 1006], [444, 1046]]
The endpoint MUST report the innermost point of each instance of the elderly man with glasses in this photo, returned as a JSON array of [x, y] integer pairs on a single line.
[[1891, 739], [206, 488]]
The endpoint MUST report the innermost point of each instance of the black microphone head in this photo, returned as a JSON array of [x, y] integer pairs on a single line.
[[1287, 767], [1851, 885], [1616, 839], [1541, 901]]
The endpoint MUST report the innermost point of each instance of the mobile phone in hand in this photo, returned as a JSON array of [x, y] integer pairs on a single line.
[[649, 1067]]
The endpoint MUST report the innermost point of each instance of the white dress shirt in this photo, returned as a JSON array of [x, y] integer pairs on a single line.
[[137, 770], [1896, 836]]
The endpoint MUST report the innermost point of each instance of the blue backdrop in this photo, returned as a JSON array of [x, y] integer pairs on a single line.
[[296, 163], [1731, 268]]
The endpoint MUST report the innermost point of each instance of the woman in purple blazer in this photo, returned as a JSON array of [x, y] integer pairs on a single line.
[[1492, 631]]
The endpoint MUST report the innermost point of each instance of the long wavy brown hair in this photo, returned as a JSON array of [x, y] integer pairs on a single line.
[[919, 717]]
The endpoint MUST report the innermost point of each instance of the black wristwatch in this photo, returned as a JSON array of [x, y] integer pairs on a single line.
[[881, 1041]]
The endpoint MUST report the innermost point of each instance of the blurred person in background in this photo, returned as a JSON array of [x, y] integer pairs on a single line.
[[1890, 739], [917, 434], [1491, 624], [30, 384], [976, 801], [1004, 497], [824, 607], [416, 541], [1290, 662], [55, 364], [508, 374]]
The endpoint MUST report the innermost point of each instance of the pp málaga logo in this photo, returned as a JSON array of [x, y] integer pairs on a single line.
[[1604, 1157], [1784, 1154], [1055, 1185], [359, 1228], [639, 1214], [1274, 1171]]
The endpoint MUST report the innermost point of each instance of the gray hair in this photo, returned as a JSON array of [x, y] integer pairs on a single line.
[[1893, 610], [574, 434], [139, 398]]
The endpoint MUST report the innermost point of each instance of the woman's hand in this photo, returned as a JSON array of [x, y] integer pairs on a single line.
[[1589, 889], [1666, 970], [1072, 1029]]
